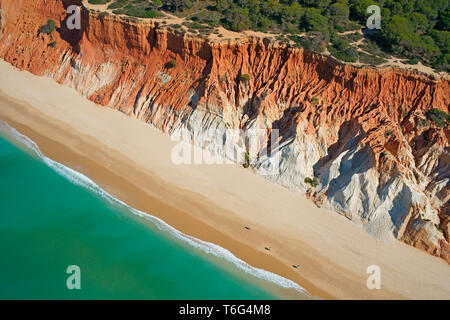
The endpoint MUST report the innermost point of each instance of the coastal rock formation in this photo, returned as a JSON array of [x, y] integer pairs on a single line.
[[361, 135]]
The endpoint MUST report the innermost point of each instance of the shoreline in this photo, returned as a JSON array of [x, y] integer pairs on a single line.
[[84, 164], [105, 145], [277, 286]]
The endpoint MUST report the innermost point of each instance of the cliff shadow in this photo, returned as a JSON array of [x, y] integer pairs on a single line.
[[287, 124], [286, 127], [356, 159], [200, 88]]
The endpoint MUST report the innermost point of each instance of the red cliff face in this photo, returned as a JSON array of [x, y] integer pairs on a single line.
[[363, 132]]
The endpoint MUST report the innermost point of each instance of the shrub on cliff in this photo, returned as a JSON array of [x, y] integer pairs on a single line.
[[245, 77], [246, 163], [314, 182], [48, 28], [440, 118], [388, 133], [171, 64], [263, 96]]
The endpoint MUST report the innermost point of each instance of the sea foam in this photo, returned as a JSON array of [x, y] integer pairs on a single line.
[[207, 247]]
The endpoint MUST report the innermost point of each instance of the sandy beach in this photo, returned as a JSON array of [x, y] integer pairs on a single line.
[[132, 161]]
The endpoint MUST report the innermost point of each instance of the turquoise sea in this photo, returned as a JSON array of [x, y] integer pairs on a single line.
[[52, 217]]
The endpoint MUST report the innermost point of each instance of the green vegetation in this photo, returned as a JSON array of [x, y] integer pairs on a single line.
[[263, 96], [246, 163], [341, 49], [134, 8], [52, 44], [99, 1], [171, 64], [415, 30], [313, 41], [440, 118], [48, 28], [370, 59], [412, 36], [314, 182], [245, 78]]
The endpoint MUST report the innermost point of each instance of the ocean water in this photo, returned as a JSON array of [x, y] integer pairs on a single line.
[[52, 217]]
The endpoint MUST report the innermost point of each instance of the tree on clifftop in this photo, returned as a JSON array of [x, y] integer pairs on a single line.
[[178, 5]]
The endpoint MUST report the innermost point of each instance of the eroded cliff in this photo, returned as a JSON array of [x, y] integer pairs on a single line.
[[363, 133]]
